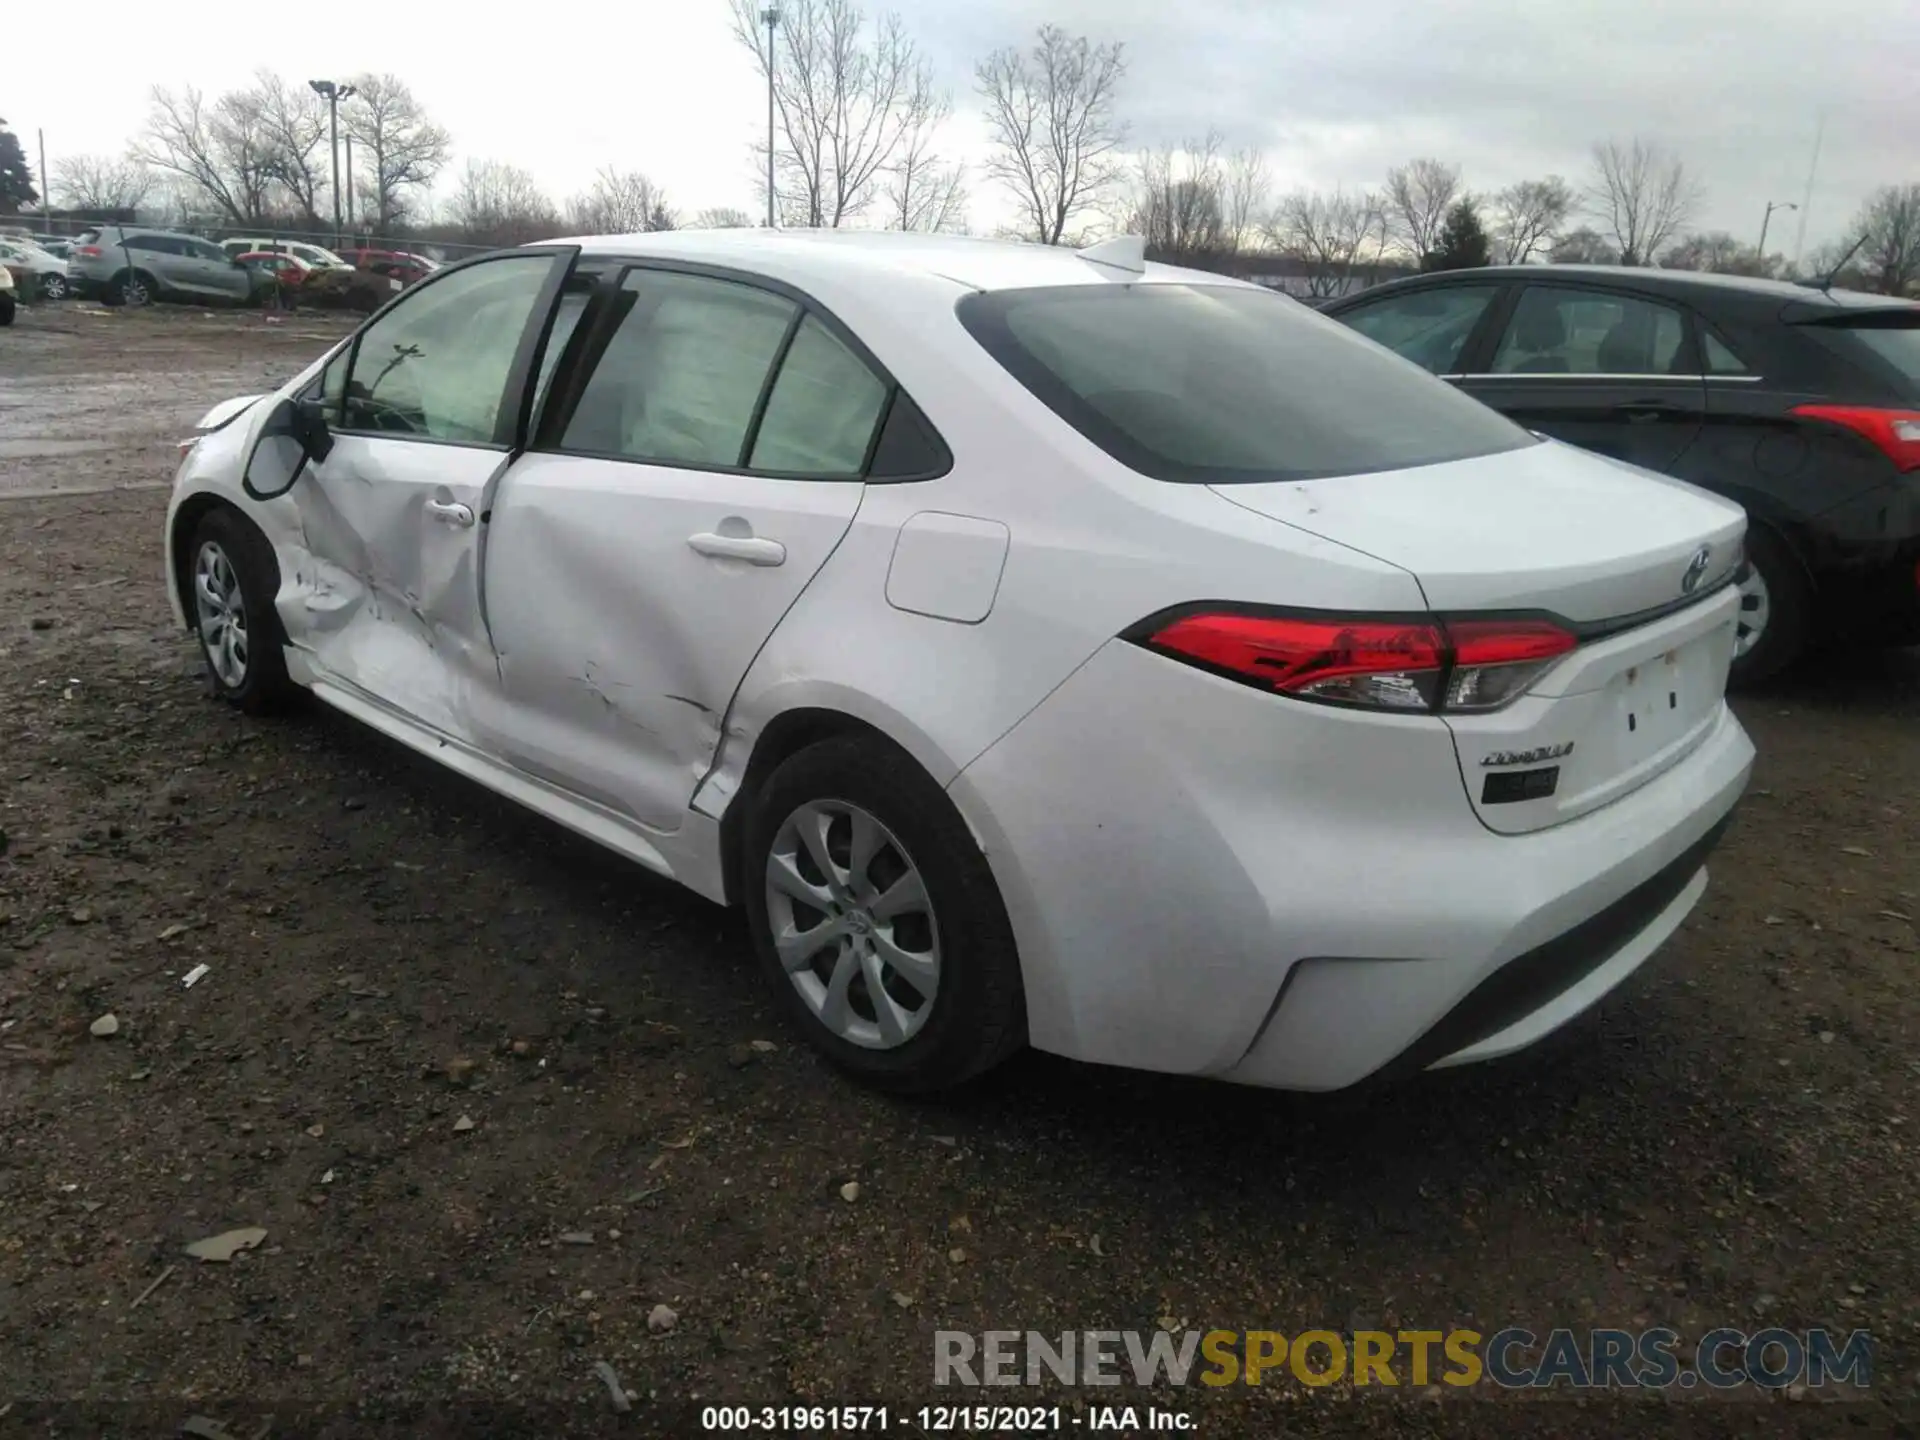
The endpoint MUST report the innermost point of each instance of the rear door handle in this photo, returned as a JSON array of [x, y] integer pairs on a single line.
[[449, 513], [1642, 411], [739, 547]]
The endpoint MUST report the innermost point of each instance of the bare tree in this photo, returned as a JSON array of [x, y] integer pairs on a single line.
[[1527, 216], [1333, 236], [400, 150], [848, 99], [621, 202], [1890, 220], [1585, 246], [1640, 196], [222, 150], [98, 182], [1056, 138], [1246, 196], [496, 204], [924, 192], [293, 124], [1418, 196], [1178, 201], [723, 217], [1719, 253]]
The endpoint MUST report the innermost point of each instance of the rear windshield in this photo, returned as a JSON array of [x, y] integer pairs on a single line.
[[1215, 384], [1893, 339]]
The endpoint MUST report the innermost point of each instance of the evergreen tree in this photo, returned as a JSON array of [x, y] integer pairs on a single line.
[[16, 176], [1462, 243]]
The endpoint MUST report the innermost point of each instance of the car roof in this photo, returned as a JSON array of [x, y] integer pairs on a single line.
[[801, 255], [1634, 277]]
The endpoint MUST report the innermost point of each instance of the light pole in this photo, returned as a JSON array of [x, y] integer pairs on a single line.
[[1767, 219], [333, 94], [771, 17]]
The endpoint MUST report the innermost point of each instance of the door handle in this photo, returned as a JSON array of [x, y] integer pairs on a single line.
[[449, 513], [739, 547], [1646, 410]]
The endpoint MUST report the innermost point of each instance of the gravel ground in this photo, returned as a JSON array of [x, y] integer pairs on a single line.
[[494, 1097]]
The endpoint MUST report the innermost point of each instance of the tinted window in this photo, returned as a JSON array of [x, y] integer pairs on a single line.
[[201, 250], [1893, 344], [1428, 327], [682, 375], [1720, 357], [822, 412], [1216, 384], [161, 244], [1589, 332], [436, 364]]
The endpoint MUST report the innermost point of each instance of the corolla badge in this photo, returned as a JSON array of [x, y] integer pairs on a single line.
[[1529, 757], [1696, 570]]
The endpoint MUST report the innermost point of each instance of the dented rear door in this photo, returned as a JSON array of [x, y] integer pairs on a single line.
[[696, 473], [382, 590]]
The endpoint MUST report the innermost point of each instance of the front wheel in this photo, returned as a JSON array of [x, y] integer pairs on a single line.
[[233, 582], [1776, 610], [53, 287], [877, 919]]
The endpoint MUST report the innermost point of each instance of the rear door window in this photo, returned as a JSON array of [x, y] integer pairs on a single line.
[[823, 409], [1562, 331], [1216, 384]]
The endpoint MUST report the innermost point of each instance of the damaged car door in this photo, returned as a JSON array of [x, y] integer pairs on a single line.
[[694, 469], [426, 410]]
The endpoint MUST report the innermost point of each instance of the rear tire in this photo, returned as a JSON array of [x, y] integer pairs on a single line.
[[231, 580], [6, 310], [133, 288], [1776, 610], [881, 822]]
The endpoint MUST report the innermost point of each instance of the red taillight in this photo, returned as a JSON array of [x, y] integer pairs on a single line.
[[88, 252], [1896, 432], [1418, 664]]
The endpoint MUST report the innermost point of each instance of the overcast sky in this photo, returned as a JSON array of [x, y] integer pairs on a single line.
[[1336, 91]]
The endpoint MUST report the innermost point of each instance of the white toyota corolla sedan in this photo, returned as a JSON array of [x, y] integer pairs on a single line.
[[1043, 646]]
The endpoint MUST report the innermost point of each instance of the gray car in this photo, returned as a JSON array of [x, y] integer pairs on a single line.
[[130, 264]]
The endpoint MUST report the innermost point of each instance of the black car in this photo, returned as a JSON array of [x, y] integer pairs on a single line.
[[1801, 404]]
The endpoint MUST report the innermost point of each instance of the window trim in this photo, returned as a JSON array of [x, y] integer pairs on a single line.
[[509, 419], [575, 370]]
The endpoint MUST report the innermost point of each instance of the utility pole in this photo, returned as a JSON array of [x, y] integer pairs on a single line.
[[771, 15], [350, 182], [333, 94], [1806, 200], [1772, 205], [46, 181]]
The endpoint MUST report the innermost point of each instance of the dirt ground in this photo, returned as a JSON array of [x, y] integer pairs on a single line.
[[494, 1096]]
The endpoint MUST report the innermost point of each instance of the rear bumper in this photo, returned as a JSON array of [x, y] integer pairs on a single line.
[[1208, 880]]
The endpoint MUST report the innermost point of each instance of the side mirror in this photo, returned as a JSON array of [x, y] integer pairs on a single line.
[[292, 435]]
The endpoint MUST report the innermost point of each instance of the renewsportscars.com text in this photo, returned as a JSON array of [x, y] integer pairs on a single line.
[[1513, 1358]]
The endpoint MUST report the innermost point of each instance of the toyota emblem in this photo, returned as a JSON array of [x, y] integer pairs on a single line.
[[1696, 570]]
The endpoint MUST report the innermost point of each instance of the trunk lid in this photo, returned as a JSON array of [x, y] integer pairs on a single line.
[[1611, 550]]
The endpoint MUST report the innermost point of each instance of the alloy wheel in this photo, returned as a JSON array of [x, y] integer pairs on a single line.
[[221, 612], [54, 287], [852, 924], [134, 291], [1756, 605]]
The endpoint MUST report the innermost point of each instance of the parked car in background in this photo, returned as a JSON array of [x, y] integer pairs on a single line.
[[315, 257], [1042, 646], [49, 271], [134, 265], [400, 265], [7, 296], [286, 268], [1801, 404]]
